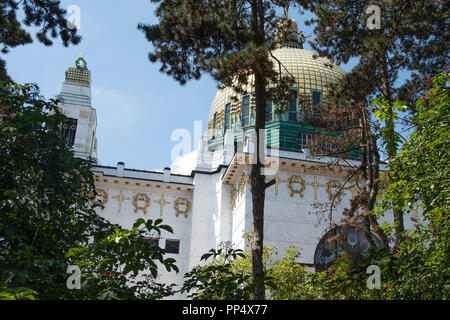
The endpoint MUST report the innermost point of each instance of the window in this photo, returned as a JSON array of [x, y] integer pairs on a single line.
[[214, 125], [353, 241], [69, 130], [316, 99], [330, 146], [152, 242], [227, 116], [268, 111], [245, 111], [292, 106], [304, 138], [173, 246], [215, 120]]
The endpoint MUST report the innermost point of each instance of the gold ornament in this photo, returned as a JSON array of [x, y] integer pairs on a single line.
[[141, 197], [334, 184], [233, 198], [354, 188], [121, 198], [249, 181], [316, 186], [182, 202], [242, 185], [162, 202], [277, 182], [103, 201], [296, 180]]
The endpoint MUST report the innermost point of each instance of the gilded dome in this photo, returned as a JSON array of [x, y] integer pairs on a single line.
[[311, 72]]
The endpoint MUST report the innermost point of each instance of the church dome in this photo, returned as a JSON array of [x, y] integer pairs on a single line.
[[312, 74]]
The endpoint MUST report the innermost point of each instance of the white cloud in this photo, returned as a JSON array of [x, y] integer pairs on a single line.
[[185, 164]]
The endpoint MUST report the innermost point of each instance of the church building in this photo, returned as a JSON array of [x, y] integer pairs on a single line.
[[213, 204]]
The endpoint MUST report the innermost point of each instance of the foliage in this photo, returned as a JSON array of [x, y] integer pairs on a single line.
[[123, 265], [283, 277], [419, 182], [229, 275], [46, 210], [217, 280], [46, 14]]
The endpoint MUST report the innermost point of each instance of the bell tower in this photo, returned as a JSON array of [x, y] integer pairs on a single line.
[[75, 103]]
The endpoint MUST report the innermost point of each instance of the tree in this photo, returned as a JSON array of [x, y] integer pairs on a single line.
[[411, 37], [47, 216], [231, 41], [46, 14], [347, 133], [418, 182]]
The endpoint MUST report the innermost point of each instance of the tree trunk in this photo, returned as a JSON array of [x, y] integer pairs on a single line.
[[258, 181], [370, 173], [390, 144]]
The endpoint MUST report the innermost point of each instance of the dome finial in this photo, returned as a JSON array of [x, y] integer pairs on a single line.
[[80, 63]]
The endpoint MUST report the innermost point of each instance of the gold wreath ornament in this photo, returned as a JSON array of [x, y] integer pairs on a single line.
[[296, 180], [141, 197], [180, 202], [104, 199], [334, 184]]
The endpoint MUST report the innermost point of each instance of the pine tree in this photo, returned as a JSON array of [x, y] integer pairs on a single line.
[[412, 36], [231, 41], [46, 14]]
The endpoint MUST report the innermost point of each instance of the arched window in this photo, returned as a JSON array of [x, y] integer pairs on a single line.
[[351, 239]]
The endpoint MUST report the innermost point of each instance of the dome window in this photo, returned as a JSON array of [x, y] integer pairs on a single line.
[[268, 111], [214, 124], [304, 139], [227, 116], [316, 99], [245, 111], [292, 106]]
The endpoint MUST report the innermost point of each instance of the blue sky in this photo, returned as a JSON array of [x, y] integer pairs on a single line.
[[138, 108]]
